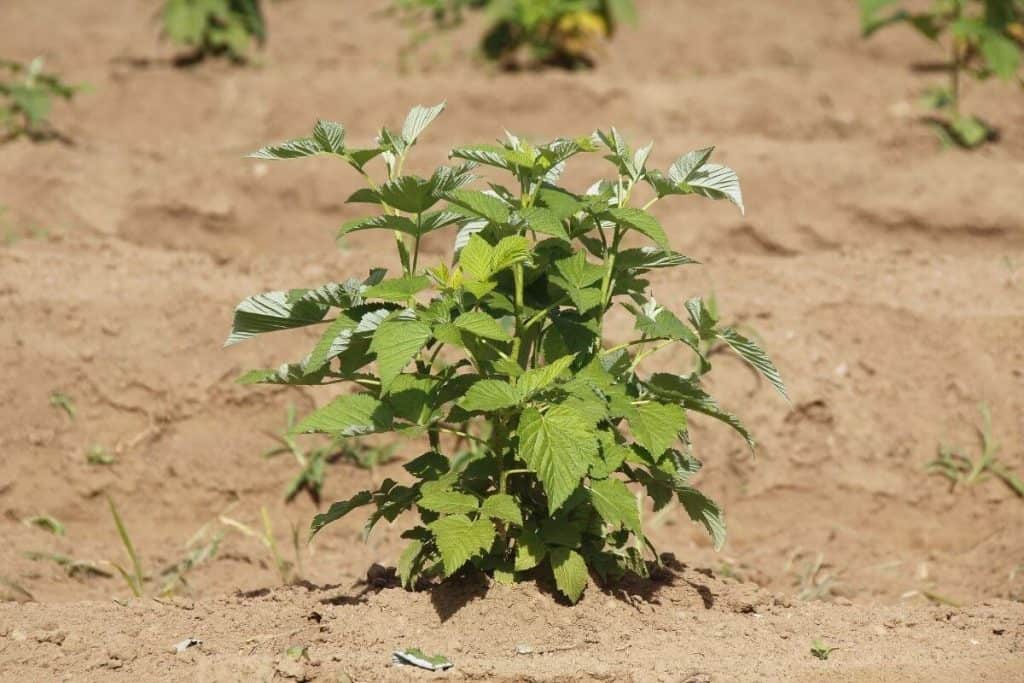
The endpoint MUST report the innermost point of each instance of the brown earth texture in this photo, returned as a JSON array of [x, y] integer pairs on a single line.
[[884, 274]]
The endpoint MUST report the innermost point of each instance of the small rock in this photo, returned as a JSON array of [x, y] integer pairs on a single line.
[[524, 649], [185, 644], [55, 636]]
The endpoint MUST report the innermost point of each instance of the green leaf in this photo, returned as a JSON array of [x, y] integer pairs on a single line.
[[482, 325], [330, 135], [382, 222], [410, 559], [481, 204], [395, 342], [615, 503], [687, 165], [508, 252], [570, 572], [693, 397], [504, 507], [296, 374], [475, 258], [333, 342], [540, 378], [753, 354], [530, 551], [489, 395], [656, 426], [349, 415], [292, 149], [544, 221], [702, 317], [704, 511], [448, 502], [339, 510], [559, 446], [647, 258], [459, 539], [398, 289], [272, 311], [717, 182], [641, 221], [418, 119], [408, 193]]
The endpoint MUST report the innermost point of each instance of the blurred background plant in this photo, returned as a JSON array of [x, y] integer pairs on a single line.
[[566, 33], [226, 28], [983, 38], [26, 99]]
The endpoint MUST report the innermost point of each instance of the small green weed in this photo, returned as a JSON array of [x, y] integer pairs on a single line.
[[71, 566], [98, 455], [983, 38], [63, 402], [956, 465], [26, 99], [821, 651], [214, 27], [46, 523], [288, 571]]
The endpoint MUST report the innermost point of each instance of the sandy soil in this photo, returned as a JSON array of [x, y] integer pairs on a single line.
[[878, 269]]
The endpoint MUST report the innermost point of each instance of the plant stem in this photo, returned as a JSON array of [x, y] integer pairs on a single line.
[[954, 74], [505, 476]]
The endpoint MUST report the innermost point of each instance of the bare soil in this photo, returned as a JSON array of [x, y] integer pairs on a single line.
[[885, 276]]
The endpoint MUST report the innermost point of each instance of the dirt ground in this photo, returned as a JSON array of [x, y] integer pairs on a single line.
[[884, 275]]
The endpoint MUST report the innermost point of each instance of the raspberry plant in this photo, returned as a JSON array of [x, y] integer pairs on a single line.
[[215, 27], [983, 38], [558, 32], [538, 432]]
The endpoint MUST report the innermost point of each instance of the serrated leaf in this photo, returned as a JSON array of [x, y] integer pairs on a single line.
[[382, 222], [272, 311], [544, 221], [489, 155], [475, 258], [530, 551], [330, 135], [398, 289], [693, 397], [615, 503], [480, 324], [717, 182], [489, 395], [459, 539], [339, 510], [295, 374], [504, 507], [292, 149], [688, 164], [349, 415], [753, 354], [333, 342], [642, 222], [482, 204], [540, 378], [448, 502], [408, 193], [704, 511], [570, 572], [409, 560], [418, 119], [559, 446], [656, 426], [508, 252], [646, 258], [396, 342]]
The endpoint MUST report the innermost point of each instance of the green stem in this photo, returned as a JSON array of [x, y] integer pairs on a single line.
[[517, 342], [644, 354], [505, 475], [634, 342]]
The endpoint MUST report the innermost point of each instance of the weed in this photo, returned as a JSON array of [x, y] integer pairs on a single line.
[[556, 32], [26, 99], [63, 402], [814, 578], [312, 463], [137, 577], [962, 470], [203, 546], [983, 38], [46, 523], [98, 455], [820, 650], [288, 571], [1012, 267], [548, 426], [70, 565], [214, 27]]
